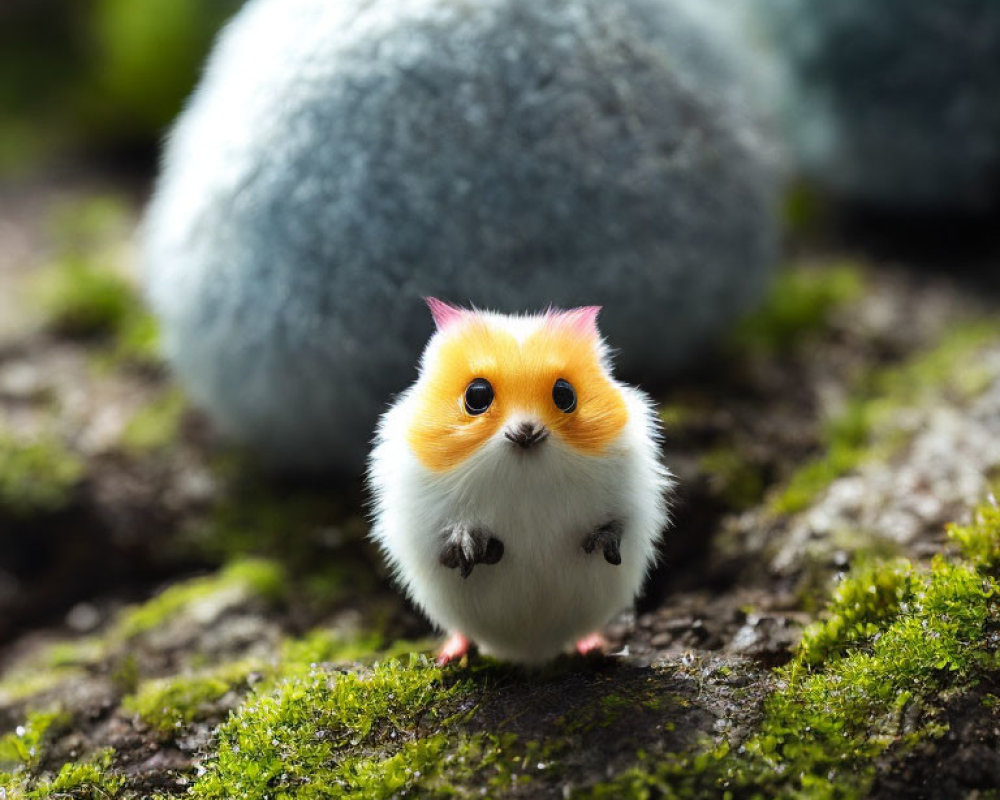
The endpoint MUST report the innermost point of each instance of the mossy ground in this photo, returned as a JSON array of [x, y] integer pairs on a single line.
[[897, 643], [87, 291], [862, 429], [233, 635], [37, 474]]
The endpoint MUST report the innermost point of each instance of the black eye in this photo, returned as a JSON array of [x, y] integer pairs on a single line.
[[564, 396], [478, 396]]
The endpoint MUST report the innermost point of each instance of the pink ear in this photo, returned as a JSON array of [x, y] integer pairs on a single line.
[[444, 313], [582, 321]]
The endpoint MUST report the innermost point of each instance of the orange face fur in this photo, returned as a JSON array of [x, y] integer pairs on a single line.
[[522, 374]]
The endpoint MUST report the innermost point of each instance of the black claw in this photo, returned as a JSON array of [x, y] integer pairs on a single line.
[[465, 547], [611, 553], [609, 538]]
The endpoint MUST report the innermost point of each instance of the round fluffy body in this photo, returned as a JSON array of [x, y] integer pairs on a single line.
[[599, 463], [342, 159], [894, 103]]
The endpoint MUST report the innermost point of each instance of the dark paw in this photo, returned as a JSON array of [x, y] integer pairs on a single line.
[[609, 538], [465, 546]]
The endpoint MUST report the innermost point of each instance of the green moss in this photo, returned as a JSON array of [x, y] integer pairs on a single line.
[[800, 304], [22, 684], [86, 292], [88, 778], [48, 667], [979, 540], [83, 293], [169, 704], [384, 733], [137, 339], [290, 741], [897, 641], [88, 224], [862, 603], [25, 746], [156, 425], [37, 475], [92, 779], [250, 576], [864, 428], [735, 480], [84, 297], [327, 646]]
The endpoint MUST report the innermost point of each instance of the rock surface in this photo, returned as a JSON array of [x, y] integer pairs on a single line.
[[339, 161], [893, 103]]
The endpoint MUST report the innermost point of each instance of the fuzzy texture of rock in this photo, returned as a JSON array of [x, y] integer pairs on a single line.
[[892, 103], [340, 160]]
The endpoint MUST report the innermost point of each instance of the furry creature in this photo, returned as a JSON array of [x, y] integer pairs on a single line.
[[518, 490], [341, 159]]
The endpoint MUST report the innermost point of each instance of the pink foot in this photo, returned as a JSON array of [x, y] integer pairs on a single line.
[[455, 648], [594, 643]]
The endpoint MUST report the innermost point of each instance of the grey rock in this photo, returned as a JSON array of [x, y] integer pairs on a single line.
[[340, 160], [893, 103]]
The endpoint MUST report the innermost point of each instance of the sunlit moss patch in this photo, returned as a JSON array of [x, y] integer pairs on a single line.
[[36, 475], [241, 578], [87, 291], [800, 304], [293, 740], [896, 641], [865, 429]]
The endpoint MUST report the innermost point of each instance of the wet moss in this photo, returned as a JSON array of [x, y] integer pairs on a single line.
[[897, 641], [800, 305], [88, 779], [168, 705], [864, 429], [294, 739], [36, 475], [979, 540], [25, 746], [861, 603]]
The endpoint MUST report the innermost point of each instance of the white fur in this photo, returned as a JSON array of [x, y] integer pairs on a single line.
[[546, 592]]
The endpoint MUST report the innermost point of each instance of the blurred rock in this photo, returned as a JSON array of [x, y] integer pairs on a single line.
[[893, 103], [341, 160]]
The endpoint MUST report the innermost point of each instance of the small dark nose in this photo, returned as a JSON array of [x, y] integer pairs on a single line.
[[527, 434]]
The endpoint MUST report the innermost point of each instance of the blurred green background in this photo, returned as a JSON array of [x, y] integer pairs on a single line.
[[104, 77]]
